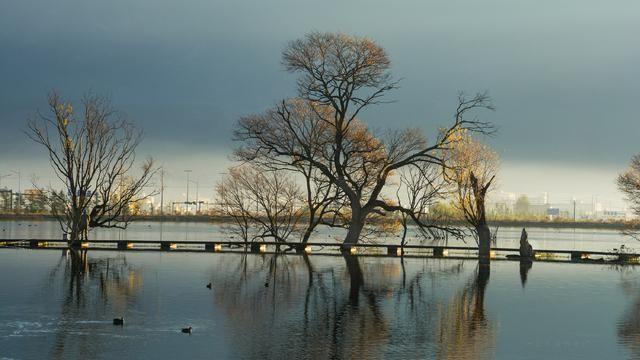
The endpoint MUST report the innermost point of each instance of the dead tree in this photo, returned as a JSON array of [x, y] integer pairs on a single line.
[[93, 155], [471, 168]]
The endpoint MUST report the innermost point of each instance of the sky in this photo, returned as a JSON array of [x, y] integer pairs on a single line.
[[563, 76]]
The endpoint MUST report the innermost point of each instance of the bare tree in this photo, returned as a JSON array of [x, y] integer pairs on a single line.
[[263, 204], [420, 188], [472, 168], [629, 184], [324, 201], [93, 156], [341, 75]]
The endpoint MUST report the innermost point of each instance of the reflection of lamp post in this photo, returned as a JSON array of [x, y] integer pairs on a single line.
[[187, 202], [19, 189]]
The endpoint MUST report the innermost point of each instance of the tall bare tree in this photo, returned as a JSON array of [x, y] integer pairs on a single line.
[[340, 76], [93, 155], [472, 167]]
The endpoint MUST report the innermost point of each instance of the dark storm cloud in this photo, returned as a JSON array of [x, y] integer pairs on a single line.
[[563, 75]]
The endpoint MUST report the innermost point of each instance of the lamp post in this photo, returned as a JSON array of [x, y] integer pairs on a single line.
[[197, 190], [19, 189], [187, 202]]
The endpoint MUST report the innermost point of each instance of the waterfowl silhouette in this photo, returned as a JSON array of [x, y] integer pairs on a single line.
[[266, 284], [209, 286], [187, 330], [118, 321]]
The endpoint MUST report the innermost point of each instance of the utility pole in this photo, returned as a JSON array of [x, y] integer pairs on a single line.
[[161, 191], [187, 202], [19, 190], [197, 202]]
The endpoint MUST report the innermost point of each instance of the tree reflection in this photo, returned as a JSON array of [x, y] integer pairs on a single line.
[[465, 331], [90, 285], [525, 267], [628, 327], [344, 307]]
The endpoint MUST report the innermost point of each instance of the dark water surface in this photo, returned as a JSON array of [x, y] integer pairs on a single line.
[[58, 305]]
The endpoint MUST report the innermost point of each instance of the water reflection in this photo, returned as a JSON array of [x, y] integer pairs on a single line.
[[354, 310], [628, 327], [525, 267], [90, 287], [465, 330]]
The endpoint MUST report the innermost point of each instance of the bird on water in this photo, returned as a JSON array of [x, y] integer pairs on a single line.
[[118, 321], [209, 286], [187, 330]]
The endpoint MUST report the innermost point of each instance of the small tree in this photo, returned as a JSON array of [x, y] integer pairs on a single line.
[[629, 184], [93, 155], [472, 167], [263, 204], [419, 190]]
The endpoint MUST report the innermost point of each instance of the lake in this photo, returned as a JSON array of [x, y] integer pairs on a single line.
[[60, 305]]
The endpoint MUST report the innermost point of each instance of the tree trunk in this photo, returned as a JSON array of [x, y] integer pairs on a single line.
[[306, 236], [355, 229], [484, 243]]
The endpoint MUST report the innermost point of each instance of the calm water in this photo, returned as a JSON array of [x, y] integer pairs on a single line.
[[540, 238], [55, 304]]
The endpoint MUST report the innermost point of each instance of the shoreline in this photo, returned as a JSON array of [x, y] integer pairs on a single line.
[[620, 225]]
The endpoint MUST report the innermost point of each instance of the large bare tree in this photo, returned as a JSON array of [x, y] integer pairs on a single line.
[[92, 153], [340, 76], [472, 167]]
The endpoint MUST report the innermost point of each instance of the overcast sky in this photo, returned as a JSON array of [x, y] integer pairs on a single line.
[[563, 75]]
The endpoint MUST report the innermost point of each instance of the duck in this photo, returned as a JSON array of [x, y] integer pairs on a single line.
[[266, 284], [209, 286], [118, 321], [187, 330]]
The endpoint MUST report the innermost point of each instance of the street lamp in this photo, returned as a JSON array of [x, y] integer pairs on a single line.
[[197, 189], [187, 202], [19, 188]]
